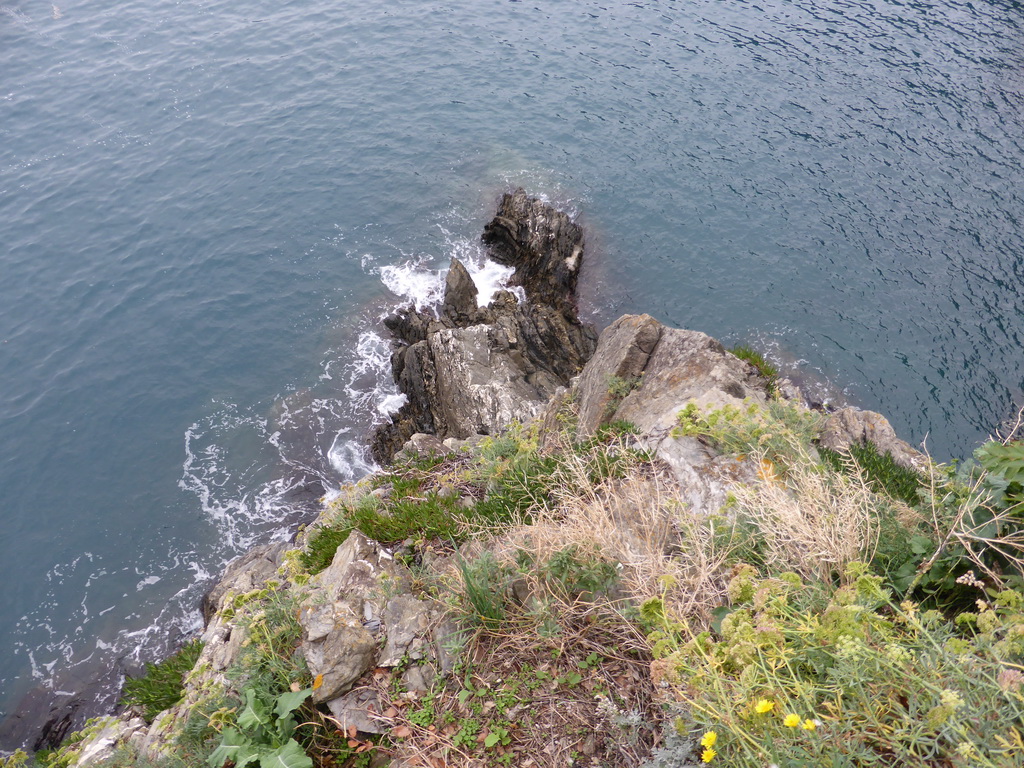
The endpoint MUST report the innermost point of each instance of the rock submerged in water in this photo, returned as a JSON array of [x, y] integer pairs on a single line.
[[473, 370]]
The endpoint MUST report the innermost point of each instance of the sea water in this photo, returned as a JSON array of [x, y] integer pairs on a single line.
[[206, 208]]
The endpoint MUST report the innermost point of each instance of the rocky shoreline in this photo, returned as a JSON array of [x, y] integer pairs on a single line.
[[468, 373], [472, 370]]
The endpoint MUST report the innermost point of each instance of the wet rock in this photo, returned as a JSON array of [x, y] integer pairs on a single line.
[[474, 370], [460, 296], [48, 713], [851, 426], [543, 245]]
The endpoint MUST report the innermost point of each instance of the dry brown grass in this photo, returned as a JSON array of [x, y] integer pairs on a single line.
[[636, 520], [812, 522]]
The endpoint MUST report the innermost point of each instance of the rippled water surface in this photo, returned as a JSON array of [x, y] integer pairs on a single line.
[[206, 206]]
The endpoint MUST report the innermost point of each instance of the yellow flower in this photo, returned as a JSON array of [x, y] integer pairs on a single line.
[[707, 755], [809, 725], [764, 706], [709, 739], [791, 721]]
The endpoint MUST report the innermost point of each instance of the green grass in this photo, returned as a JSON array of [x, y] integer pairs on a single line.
[[768, 372], [880, 471], [510, 480], [162, 685]]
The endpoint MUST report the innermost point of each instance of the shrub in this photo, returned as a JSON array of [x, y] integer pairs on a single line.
[[779, 432], [163, 684], [812, 675], [264, 733]]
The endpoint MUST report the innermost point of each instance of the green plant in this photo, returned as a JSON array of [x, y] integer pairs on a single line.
[[766, 370], [779, 432], [269, 662], [264, 734], [500, 485], [1004, 467], [808, 674], [485, 583], [880, 470], [977, 529], [618, 389], [498, 735], [19, 759], [465, 736], [573, 573], [163, 684], [322, 545]]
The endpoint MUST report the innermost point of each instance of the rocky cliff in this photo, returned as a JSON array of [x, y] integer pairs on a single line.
[[472, 371]]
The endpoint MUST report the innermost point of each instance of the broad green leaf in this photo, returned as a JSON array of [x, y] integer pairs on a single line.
[[288, 756], [235, 747], [491, 740], [285, 728], [255, 715], [290, 701], [921, 545]]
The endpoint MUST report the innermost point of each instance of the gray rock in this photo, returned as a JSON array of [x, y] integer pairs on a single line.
[[222, 642], [244, 574], [668, 368], [448, 640], [360, 708], [407, 621], [343, 611], [850, 426], [481, 387], [687, 366], [422, 444], [460, 296], [104, 738], [623, 350], [475, 370], [344, 655], [419, 678]]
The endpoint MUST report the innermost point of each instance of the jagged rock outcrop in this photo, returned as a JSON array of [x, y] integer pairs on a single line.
[[243, 574], [472, 369], [646, 373], [467, 372]]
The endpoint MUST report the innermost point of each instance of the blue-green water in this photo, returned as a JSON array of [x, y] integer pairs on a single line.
[[201, 203]]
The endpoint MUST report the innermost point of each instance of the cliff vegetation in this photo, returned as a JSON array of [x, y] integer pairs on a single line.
[[667, 560]]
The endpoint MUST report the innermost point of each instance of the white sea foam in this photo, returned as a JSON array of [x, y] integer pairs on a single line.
[[242, 465]]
